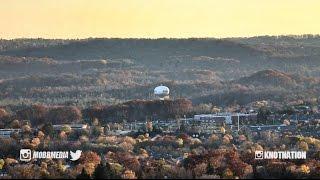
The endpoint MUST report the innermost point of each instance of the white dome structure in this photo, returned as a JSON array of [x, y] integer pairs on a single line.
[[162, 92]]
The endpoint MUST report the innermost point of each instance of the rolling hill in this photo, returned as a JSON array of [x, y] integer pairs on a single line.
[[276, 78]]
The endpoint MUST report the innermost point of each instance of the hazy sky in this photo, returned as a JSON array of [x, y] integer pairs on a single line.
[[157, 18]]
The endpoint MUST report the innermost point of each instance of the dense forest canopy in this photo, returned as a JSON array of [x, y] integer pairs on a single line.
[[109, 71]]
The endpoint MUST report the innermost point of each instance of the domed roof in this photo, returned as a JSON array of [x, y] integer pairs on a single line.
[[161, 90]]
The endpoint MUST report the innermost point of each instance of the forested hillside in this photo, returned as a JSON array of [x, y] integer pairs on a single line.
[[111, 71]]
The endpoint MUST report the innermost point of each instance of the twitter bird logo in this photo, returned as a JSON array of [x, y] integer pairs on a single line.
[[75, 156]]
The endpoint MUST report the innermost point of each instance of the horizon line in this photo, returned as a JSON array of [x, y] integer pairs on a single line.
[[155, 38]]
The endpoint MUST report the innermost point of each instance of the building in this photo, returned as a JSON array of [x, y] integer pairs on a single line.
[[213, 118], [59, 127], [281, 127], [227, 118], [243, 119], [6, 133]]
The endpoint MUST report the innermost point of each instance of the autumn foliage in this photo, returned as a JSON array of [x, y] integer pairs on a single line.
[[39, 114], [140, 110]]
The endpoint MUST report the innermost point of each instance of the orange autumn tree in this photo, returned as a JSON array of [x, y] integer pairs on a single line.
[[89, 161]]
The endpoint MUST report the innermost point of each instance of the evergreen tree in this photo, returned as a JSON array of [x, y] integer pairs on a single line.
[[48, 129], [210, 169], [263, 115], [104, 171], [83, 175]]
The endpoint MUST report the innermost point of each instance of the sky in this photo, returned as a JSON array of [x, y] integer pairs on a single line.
[[157, 18]]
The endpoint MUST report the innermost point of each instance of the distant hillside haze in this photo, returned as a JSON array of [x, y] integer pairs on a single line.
[[111, 71], [257, 52], [138, 49], [281, 46], [8, 45]]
